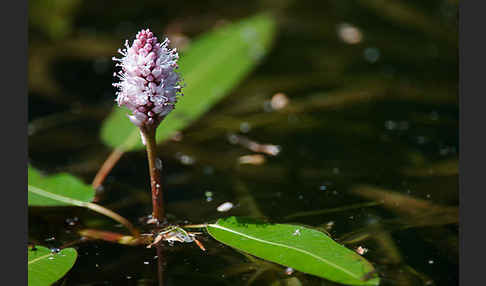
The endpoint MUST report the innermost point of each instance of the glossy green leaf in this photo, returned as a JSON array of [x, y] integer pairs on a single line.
[[211, 67], [46, 267], [57, 190], [304, 249]]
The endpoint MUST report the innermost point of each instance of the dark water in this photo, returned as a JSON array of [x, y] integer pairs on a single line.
[[366, 119]]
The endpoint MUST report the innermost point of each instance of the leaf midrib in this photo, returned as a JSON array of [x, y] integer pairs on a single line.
[[56, 197], [285, 246], [39, 258]]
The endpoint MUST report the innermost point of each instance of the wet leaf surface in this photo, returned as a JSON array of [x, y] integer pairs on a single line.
[[46, 267], [299, 247]]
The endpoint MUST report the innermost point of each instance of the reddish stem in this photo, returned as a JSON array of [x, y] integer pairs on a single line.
[[158, 212], [106, 167]]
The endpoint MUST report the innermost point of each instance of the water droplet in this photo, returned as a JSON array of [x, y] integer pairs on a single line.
[[158, 164], [431, 261], [187, 160], [55, 250], [322, 188], [208, 195], [146, 262], [296, 232]]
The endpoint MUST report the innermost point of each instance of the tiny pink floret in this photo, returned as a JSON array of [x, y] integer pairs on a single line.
[[149, 84]]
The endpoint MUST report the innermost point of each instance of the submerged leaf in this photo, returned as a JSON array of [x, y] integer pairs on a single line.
[[213, 65], [299, 247], [113, 237], [46, 267]]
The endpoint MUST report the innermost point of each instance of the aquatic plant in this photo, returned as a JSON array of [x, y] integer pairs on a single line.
[[148, 87]]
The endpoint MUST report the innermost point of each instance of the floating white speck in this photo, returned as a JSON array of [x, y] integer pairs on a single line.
[[329, 225], [289, 270], [279, 101], [361, 250], [349, 33], [255, 159], [296, 232], [224, 207]]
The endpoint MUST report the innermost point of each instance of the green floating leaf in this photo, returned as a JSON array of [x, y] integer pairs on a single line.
[[57, 190], [46, 267], [301, 248], [213, 65], [65, 190]]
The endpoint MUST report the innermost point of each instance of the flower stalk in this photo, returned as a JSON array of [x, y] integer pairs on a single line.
[[158, 211]]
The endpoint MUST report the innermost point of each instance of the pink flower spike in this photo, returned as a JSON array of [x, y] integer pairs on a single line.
[[148, 83]]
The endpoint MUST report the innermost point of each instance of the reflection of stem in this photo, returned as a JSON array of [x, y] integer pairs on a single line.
[[155, 181], [106, 167], [246, 198], [160, 265]]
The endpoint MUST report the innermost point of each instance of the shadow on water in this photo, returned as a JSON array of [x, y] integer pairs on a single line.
[[366, 122]]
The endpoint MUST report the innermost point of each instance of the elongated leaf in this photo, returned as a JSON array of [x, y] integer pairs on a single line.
[[66, 190], [213, 65], [46, 267], [57, 190], [301, 248]]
